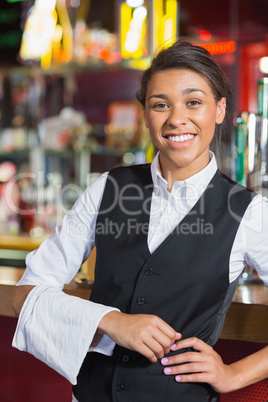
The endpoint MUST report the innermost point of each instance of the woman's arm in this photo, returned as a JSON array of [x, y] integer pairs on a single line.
[[205, 365]]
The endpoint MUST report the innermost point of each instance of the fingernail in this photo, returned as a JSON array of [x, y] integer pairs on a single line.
[[164, 360], [172, 347], [177, 378], [167, 370]]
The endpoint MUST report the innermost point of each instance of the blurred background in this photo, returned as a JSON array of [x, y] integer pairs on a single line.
[[69, 72]]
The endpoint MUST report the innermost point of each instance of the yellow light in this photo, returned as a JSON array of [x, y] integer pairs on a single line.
[[46, 60], [132, 34], [125, 21], [157, 23], [135, 27], [58, 33], [164, 25], [67, 31], [170, 22], [39, 31], [139, 64], [168, 29]]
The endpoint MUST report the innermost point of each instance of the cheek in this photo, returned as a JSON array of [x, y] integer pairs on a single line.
[[208, 125], [156, 121], [150, 123]]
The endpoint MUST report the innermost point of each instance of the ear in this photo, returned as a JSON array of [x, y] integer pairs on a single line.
[[221, 110], [144, 117]]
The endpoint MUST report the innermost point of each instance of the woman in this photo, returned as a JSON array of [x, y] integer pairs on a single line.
[[172, 239]]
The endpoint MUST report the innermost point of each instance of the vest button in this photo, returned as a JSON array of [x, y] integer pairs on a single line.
[[125, 358], [141, 300], [149, 271], [119, 387]]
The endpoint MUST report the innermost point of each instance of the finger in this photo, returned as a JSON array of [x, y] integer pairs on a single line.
[[166, 329], [159, 344], [196, 377], [158, 336], [165, 341], [147, 352], [194, 343], [178, 336], [187, 368], [184, 358]]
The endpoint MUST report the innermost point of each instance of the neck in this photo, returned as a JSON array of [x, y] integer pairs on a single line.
[[174, 173]]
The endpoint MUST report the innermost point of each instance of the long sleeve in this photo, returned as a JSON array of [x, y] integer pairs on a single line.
[[250, 246], [57, 328]]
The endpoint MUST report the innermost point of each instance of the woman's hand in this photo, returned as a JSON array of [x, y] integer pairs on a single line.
[[146, 334], [203, 365]]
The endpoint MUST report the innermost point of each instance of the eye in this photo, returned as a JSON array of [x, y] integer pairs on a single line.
[[193, 103], [160, 106]]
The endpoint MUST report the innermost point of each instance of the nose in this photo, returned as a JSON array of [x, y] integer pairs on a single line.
[[177, 116]]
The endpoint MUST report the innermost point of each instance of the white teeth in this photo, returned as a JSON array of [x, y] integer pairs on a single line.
[[180, 138]]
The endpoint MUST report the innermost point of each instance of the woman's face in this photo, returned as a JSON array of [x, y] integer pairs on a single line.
[[180, 113]]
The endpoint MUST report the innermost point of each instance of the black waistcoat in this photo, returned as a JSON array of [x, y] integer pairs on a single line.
[[185, 281]]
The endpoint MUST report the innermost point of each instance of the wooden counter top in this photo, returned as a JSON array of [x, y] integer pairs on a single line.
[[9, 277], [26, 242], [246, 319]]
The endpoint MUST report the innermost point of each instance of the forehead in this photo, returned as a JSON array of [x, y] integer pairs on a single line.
[[178, 80]]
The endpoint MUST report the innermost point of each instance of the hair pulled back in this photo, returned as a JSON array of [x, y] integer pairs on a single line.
[[183, 55]]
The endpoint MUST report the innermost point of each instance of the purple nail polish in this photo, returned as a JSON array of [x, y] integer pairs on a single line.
[[172, 347], [164, 360], [177, 378], [167, 370]]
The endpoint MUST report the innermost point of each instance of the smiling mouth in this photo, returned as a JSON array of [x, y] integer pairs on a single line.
[[180, 138]]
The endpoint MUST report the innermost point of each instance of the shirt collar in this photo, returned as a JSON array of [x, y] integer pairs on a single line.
[[194, 185]]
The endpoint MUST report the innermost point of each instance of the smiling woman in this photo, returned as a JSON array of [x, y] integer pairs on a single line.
[[164, 281]]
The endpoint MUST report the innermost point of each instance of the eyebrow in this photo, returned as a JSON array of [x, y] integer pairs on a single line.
[[190, 90], [161, 96], [185, 92]]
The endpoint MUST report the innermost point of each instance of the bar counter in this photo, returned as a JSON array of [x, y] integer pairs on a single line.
[[246, 320], [20, 242]]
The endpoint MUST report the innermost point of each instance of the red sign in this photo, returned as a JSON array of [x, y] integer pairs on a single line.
[[219, 47]]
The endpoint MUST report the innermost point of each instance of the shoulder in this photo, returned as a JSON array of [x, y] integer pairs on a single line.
[[256, 215], [236, 197], [235, 188]]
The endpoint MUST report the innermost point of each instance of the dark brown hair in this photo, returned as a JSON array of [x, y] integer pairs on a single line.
[[183, 55]]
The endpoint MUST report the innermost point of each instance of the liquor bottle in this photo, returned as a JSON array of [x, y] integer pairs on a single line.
[[241, 135], [263, 111]]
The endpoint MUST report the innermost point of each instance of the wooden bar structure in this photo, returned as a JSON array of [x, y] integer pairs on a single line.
[[246, 320]]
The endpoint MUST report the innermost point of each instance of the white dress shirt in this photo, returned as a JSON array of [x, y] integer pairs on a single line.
[[60, 329]]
